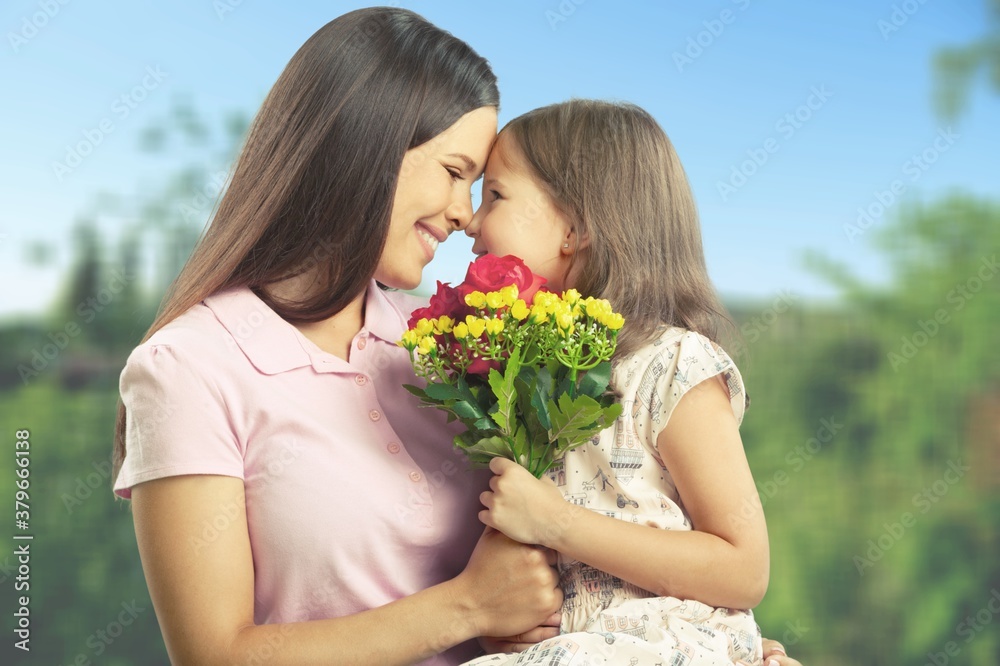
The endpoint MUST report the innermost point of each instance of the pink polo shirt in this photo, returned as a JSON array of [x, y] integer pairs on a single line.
[[355, 497]]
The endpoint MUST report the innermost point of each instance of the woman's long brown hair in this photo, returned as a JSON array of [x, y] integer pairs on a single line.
[[313, 186], [612, 170]]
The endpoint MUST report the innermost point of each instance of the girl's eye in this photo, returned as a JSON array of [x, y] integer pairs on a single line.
[[494, 195], [454, 173]]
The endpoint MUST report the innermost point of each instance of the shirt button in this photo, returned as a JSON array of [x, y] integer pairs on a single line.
[[361, 380], [375, 415], [393, 447], [415, 476], [361, 343]]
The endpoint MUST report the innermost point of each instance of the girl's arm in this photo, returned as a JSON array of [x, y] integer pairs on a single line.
[[204, 595], [724, 561]]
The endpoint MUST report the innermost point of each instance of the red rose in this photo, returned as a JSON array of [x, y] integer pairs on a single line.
[[490, 273], [481, 366], [447, 301]]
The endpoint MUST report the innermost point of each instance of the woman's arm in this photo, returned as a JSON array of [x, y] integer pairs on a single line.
[[203, 592], [724, 561]]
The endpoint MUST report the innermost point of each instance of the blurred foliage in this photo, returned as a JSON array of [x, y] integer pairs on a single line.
[[955, 68], [858, 410], [909, 394]]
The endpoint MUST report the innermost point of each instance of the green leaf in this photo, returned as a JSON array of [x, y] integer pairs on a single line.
[[595, 381], [522, 454], [417, 391], [438, 391], [503, 389], [466, 410], [540, 397], [485, 423], [561, 379], [483, 395], [575, 420], [482, 450]]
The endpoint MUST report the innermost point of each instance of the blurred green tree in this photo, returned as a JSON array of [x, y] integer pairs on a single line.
[[956, 67]]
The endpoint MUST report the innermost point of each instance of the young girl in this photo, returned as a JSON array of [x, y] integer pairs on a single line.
[[661, 538]]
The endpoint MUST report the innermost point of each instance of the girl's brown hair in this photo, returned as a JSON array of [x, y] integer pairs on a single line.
[[313, 186], [612, 170]]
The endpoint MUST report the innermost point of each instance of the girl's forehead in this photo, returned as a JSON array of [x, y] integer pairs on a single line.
[[505, 154]]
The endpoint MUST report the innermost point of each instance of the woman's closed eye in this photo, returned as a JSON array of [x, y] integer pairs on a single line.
[[454, 173], [494, 195]]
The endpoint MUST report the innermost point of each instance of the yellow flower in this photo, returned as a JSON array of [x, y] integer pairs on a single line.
[[509, 294], [564, 320], [613, 321], [561, 309], [571, 296], [494, 326], [494, 300], [461, 330], [409, 341], [598, 308], [519, 310], [424, 327], [426, 345], [546, 301], [476, 325], [538, 312], [476, 299], [443, 324]]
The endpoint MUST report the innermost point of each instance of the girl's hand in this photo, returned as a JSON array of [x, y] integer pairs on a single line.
[[774, 655], [524, 508]]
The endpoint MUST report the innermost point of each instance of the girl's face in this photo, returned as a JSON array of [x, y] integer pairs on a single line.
[[434, 196], [518, 217]]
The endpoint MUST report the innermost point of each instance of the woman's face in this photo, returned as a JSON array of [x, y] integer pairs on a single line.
[[434, 196], [518, 217]]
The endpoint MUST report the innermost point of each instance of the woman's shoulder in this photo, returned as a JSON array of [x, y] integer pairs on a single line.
[[195, 339], [197, 330]]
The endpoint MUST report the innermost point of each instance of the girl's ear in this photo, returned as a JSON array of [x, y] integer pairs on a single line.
[[573, 241]]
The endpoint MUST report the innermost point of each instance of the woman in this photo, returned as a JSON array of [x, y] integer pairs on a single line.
[[268, 391]]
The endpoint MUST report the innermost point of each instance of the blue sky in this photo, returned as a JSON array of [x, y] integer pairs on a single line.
[[869, 92]]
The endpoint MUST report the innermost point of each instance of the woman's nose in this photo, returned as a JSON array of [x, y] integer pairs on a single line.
[[459, 214]]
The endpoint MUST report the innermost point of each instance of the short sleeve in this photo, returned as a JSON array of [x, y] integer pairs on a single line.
[[681, 364], [176, 420]]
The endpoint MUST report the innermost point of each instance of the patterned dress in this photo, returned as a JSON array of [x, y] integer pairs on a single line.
[[620, 474]]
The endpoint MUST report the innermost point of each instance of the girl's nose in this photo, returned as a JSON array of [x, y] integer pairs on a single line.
[[472, 230]]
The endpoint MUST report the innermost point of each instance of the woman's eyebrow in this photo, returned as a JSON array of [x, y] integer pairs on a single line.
[[470, 164]]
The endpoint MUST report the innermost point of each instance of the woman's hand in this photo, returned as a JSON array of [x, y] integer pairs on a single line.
[[513, 586], [521, 642], [524, 508]]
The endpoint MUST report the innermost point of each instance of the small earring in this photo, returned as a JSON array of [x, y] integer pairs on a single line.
[[565, 246]]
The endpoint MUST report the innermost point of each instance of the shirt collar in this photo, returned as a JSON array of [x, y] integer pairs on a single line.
[[383, 318], [275, 346]]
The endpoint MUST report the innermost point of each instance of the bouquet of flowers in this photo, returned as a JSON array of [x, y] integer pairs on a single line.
[[524, 369]]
